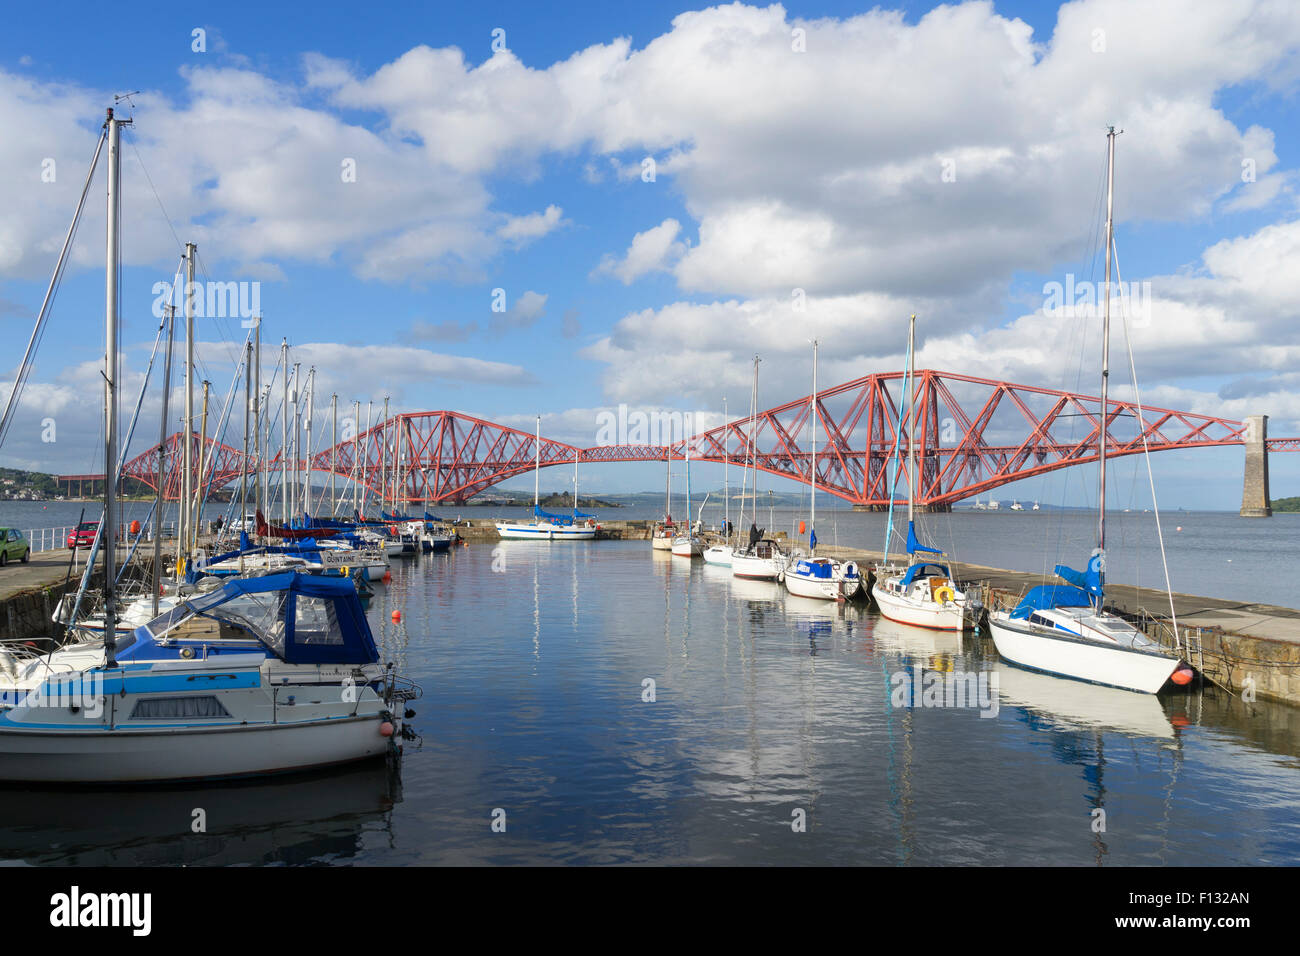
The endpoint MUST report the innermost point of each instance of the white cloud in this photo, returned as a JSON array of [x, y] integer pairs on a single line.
[[651, 251], [521, 230]]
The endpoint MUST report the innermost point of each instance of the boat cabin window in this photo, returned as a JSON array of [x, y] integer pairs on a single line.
[[315, 622], [178, 708]]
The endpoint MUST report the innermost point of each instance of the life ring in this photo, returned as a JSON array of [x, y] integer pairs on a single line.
[[944, 594]]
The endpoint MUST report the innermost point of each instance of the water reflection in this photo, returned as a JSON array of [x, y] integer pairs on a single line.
[[296, 819]]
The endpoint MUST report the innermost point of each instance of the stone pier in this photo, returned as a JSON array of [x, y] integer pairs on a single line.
[[1254, 495]]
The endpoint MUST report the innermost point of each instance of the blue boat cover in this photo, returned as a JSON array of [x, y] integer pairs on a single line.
[[331, 628], [925, 570], [814, 569], [1092, 580], [1047, 596], [913, 545]]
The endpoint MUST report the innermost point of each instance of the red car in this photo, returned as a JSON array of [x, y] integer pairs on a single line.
[[83, 535]]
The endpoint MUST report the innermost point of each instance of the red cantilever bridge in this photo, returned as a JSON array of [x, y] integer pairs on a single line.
[[971, 434]]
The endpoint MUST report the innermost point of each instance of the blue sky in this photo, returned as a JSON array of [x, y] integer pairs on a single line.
[[519, 169]]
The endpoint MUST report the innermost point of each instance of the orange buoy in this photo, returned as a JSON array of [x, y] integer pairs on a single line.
[[1183, 676], [388, 576], [802, 527], [135, 527], [386, 729], [397, 615]]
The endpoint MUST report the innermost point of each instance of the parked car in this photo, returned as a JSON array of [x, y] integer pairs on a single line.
[[83, 535], [13, 545]]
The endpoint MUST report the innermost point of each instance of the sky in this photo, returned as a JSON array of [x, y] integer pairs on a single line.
[[640, 189]]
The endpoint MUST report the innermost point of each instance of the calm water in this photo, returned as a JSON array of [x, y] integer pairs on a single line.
[[765, 707]]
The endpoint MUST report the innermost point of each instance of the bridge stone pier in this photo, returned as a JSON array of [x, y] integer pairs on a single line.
[[1254, 493]]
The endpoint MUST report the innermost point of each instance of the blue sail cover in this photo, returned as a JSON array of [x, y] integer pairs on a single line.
[[1047, 596], [913, 545], [558, 519], [1091, 580]]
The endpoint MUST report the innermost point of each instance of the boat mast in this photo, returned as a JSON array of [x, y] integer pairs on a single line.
[[383, 462], [688, 487], [257, 415], [753, 442], [187, 483], [243, 464], [365, 464], [812, 513], [109, 527], [537, 468], [170, 319], [311, 412], [284, 434], [726, 466], [196, 513], [1105, 347], [334, 452], [911, 416], [297, 439]]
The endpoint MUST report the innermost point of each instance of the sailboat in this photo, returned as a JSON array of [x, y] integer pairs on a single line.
[[688, 543], [811, 576], [1065, 629], [720, 553], [761, 559], [262, 675], [663, 533], [546, 526], [1017, 506], [1035, 507], [922, 594]]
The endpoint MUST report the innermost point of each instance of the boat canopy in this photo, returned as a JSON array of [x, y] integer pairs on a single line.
[[926, 569], [815, 569], [1090, 580], [301, 618], [913, 543], [1047, 596]]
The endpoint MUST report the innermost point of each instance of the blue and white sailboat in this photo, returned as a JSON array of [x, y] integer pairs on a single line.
[[546, 526], [1064, 629], [808, 575], [923, 594]]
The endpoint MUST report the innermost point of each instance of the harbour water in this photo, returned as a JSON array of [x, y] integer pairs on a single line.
[[765, 713]]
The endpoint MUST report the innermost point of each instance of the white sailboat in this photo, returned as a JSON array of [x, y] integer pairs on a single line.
[[663, 533], [544, 526], [762, 558], [923, 593], [810, 576], [688, 543], [720, 553], [1065, 629], [1017, 506]]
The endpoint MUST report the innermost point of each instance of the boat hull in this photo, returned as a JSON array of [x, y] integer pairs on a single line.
[[755, 569], [719, 554], [128, 755], [687, 548], [937, 617], [826, 589], [1078, 658], [543, 532]]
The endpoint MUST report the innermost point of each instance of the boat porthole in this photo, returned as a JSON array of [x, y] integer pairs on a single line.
[[187, 652]]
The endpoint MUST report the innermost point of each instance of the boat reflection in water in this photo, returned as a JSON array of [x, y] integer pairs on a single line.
[[316, 817], [1073, 705]]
